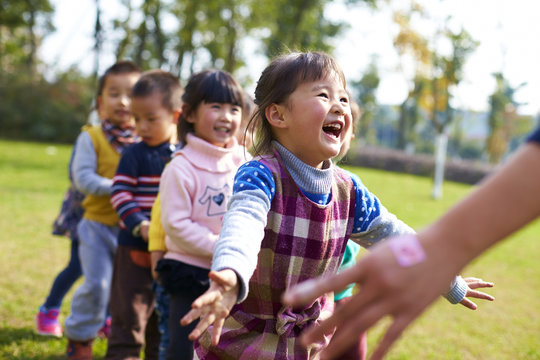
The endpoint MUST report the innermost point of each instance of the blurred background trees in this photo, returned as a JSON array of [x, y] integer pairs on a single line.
[[184, 36]]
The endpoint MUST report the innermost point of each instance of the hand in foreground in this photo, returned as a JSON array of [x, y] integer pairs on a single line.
[[214, 305], [386, 288], [475, 283]]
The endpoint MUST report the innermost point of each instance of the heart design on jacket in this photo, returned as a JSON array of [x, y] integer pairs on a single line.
[[218, 199]]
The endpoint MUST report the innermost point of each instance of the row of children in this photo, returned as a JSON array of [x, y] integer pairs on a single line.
[[226, 239]]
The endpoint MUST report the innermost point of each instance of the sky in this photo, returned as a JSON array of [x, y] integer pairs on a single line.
[[508, 32]]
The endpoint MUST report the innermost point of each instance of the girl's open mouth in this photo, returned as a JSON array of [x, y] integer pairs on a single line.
[[333, 129]]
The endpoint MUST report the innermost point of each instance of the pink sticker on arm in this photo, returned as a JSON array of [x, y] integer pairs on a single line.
[[407, 250]]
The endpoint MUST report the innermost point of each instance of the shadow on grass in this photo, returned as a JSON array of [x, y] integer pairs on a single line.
[[25, 344], [18, 335]]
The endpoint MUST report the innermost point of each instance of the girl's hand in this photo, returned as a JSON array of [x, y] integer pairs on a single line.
[[155, 256], [214, 305], [475, 283]]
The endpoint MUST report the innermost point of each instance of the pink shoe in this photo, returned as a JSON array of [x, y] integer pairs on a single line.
[[105, 330], [47, 323]]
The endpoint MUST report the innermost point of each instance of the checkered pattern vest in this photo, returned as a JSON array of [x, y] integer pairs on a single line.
[[302, 240]]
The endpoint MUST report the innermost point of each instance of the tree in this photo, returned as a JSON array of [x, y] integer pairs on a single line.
[[443, 72], [23, 25], [146, 42], [411, 44], [502, 117], [295, 25], [367, 100], [447, 72]]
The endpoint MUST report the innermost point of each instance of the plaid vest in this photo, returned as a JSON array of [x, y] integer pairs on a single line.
[[303, 240]]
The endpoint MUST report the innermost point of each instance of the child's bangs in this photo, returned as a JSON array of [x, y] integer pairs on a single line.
[[218, 88], [315, 66]]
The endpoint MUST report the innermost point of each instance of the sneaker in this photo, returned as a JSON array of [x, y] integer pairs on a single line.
[[105, 330], [79, 350], [47, 323]]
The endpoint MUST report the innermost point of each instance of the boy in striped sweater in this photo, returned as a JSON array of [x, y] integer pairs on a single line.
[[156, 105]]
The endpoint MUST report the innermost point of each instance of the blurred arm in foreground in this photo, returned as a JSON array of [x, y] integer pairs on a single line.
[[502, 204]]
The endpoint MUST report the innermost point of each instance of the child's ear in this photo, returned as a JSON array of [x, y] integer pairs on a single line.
[[98, 103], [176, 115], [185, 111], [274, 114]]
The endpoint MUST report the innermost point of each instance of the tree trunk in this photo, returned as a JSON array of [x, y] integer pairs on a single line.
[[441, 141], [31, 60]]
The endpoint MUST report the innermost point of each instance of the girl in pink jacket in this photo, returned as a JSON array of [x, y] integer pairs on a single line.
[[194, 191]]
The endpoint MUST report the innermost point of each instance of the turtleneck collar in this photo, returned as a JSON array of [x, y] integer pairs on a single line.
[[308, 178], [206, 156]]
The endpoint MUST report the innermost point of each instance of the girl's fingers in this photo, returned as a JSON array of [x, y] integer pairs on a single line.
[[190, 317], [479, 295], [225, 278], [216, 331], [203, 324], [208, 298], [468, 304], [475, 283], [480, 284], [351, 312], [392, 334], [351, 329]]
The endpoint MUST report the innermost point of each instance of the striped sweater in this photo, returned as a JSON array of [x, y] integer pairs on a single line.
[[135, 187]]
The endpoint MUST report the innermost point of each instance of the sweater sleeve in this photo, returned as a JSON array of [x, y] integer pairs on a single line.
[[156, 234], [243, 225], [85, 174], [124, 188], [373, 223], [176, 189], [534, 136]]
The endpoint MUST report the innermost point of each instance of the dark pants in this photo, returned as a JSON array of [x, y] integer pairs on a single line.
[[133, 319], [184, 283], [65, 279], [162, 310], [358, 351]]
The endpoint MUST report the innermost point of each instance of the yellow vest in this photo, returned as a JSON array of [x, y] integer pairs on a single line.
[[99, 208], [156, 233]]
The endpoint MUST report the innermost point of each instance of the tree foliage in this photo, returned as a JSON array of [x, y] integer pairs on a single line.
[[181, 36], [23, 24], [211, 33], [36, 109], [503, 118], [30, 106], [366, 88]]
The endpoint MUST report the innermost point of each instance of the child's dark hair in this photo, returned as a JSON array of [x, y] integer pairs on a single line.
[[279, 80], [120, 67], [209, 86], [163, 82]]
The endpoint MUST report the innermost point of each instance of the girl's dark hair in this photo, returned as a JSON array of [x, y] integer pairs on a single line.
[[120, 67], [209, 86], [163, 82], [279, 80]]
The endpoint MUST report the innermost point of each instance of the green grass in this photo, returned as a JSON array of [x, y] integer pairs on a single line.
[[34, 178]]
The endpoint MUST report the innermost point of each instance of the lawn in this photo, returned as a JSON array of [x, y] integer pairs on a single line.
[[33, 180]]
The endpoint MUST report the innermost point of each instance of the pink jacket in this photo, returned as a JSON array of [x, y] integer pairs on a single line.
[[195, 188]]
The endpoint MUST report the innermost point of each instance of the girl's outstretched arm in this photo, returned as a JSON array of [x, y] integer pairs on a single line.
[[404, 286], [214, 305]]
